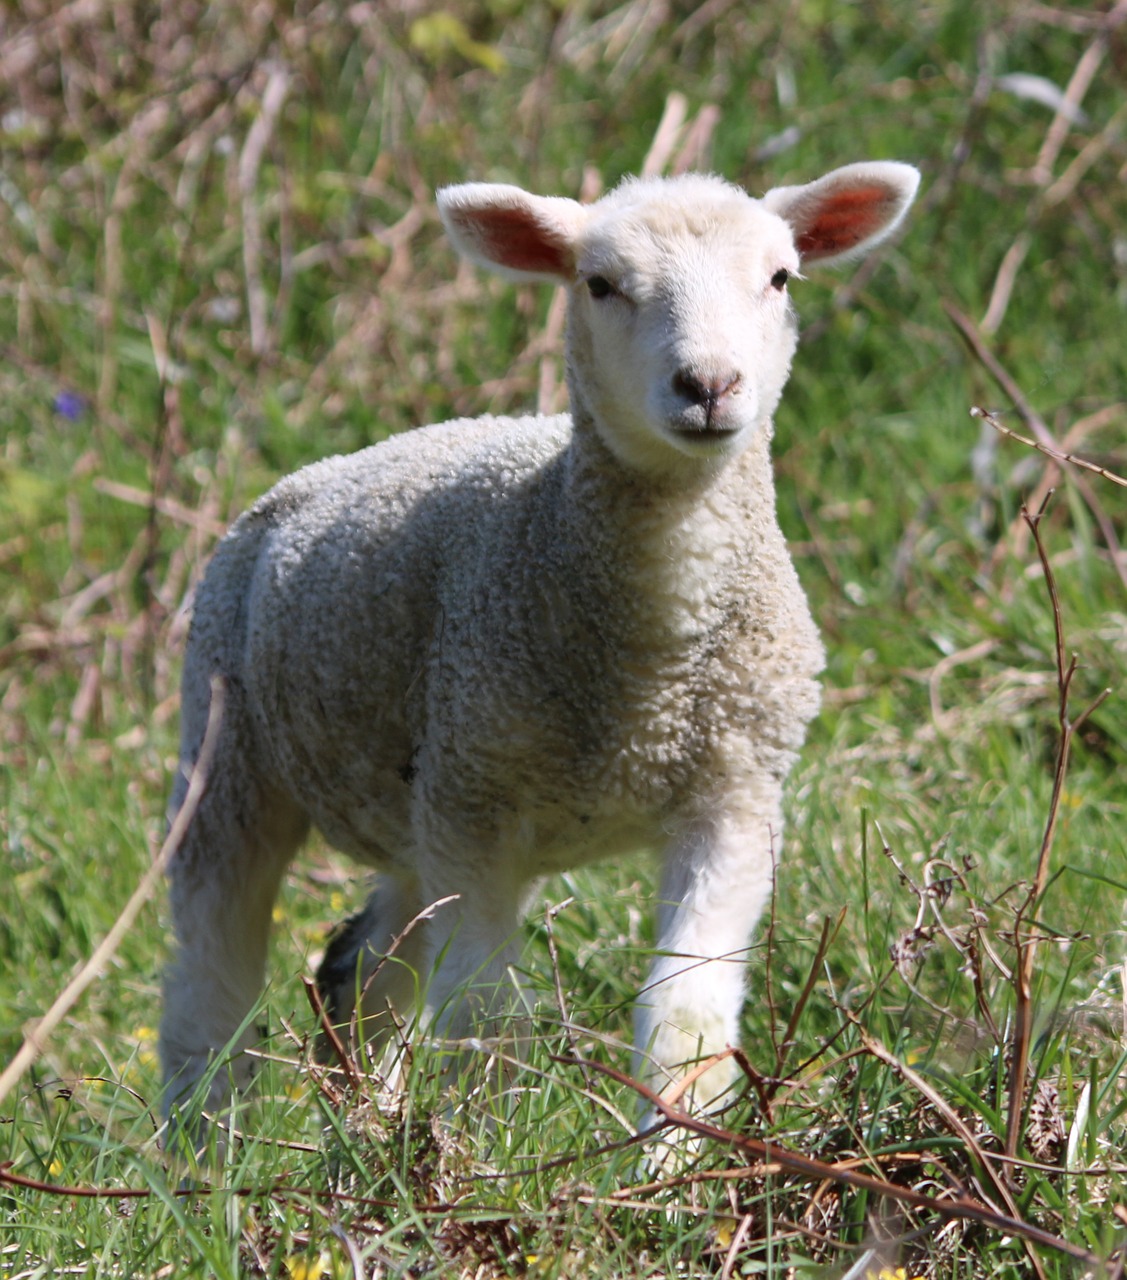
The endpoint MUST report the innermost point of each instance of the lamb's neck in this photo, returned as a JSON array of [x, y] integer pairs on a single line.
[[691, 538]]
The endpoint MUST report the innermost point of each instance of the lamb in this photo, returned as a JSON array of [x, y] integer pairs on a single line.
[[489, 650]]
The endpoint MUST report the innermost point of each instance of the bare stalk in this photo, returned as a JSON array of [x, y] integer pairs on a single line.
[[1025, 943], [1044, 441], [1058, 455]]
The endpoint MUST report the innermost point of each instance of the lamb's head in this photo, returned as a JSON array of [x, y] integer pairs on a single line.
[[680, 330]]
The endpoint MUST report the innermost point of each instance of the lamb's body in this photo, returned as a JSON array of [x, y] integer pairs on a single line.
[[490, 650]]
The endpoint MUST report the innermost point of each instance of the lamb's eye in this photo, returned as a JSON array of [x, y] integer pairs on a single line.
[[780, 278], [600, 287]]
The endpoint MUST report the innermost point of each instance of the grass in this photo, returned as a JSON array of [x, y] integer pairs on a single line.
[[219, 260]]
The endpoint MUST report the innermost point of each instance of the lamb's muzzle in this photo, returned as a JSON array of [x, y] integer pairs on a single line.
[[487, 651]]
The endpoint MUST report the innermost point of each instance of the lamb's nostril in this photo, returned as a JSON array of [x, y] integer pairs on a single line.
[[688, 386], [704, 391]]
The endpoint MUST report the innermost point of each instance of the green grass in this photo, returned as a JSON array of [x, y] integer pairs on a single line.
[[124, 283]]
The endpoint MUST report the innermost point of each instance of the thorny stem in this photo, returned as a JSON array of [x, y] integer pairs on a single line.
[[1026, 946]]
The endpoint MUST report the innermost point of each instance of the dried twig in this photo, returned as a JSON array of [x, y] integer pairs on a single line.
[[954, 1122], [1017, 538], [1047, 442], [959, 1206], [1058, 455], [1026, 946]]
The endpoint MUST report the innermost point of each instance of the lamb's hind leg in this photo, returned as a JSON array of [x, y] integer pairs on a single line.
[[224, 880], [431, 952], [378, 955]]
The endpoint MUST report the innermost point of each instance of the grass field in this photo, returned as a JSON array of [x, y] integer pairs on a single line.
[[219, 259]]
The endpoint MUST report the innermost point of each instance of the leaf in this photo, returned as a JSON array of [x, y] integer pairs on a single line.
[[1079, 1126], [438, 35], [1037, 89], [25, 494]]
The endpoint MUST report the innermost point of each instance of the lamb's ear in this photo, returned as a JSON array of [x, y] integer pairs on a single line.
[[507, 230], [845, 213]]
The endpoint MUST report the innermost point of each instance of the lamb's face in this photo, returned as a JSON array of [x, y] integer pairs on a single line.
[[680, 328], [680, 331]]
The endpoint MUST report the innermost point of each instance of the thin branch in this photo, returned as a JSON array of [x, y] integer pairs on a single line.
[[1037, 425], [1026, 947], [1017, 536], [1057, 455]]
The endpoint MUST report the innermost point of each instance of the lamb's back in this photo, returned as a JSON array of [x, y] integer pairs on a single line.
[[323, 607]]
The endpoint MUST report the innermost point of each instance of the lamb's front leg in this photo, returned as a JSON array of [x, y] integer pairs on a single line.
[[716, 880]]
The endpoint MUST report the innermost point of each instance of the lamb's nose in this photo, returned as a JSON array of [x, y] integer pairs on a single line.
[[704, 391]]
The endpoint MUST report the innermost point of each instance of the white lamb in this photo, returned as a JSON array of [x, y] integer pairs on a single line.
[[490, 650]]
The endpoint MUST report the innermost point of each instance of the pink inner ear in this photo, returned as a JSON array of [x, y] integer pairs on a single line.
[[514, 239], [845, 220]]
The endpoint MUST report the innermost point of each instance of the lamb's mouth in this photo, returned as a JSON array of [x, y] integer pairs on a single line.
[[712, 434]]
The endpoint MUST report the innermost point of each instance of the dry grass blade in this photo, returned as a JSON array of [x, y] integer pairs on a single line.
[[250, 161], [1078, 86], [36, 1038], [830, 930]]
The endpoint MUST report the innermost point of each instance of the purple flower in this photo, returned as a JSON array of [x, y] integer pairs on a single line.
[[69, 405]]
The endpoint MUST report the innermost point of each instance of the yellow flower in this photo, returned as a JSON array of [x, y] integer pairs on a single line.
[[55, 1168], [307, 1268], [540, 1264], [725, 1230]]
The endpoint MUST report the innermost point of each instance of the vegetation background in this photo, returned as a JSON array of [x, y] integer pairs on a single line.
[[219, 259]]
